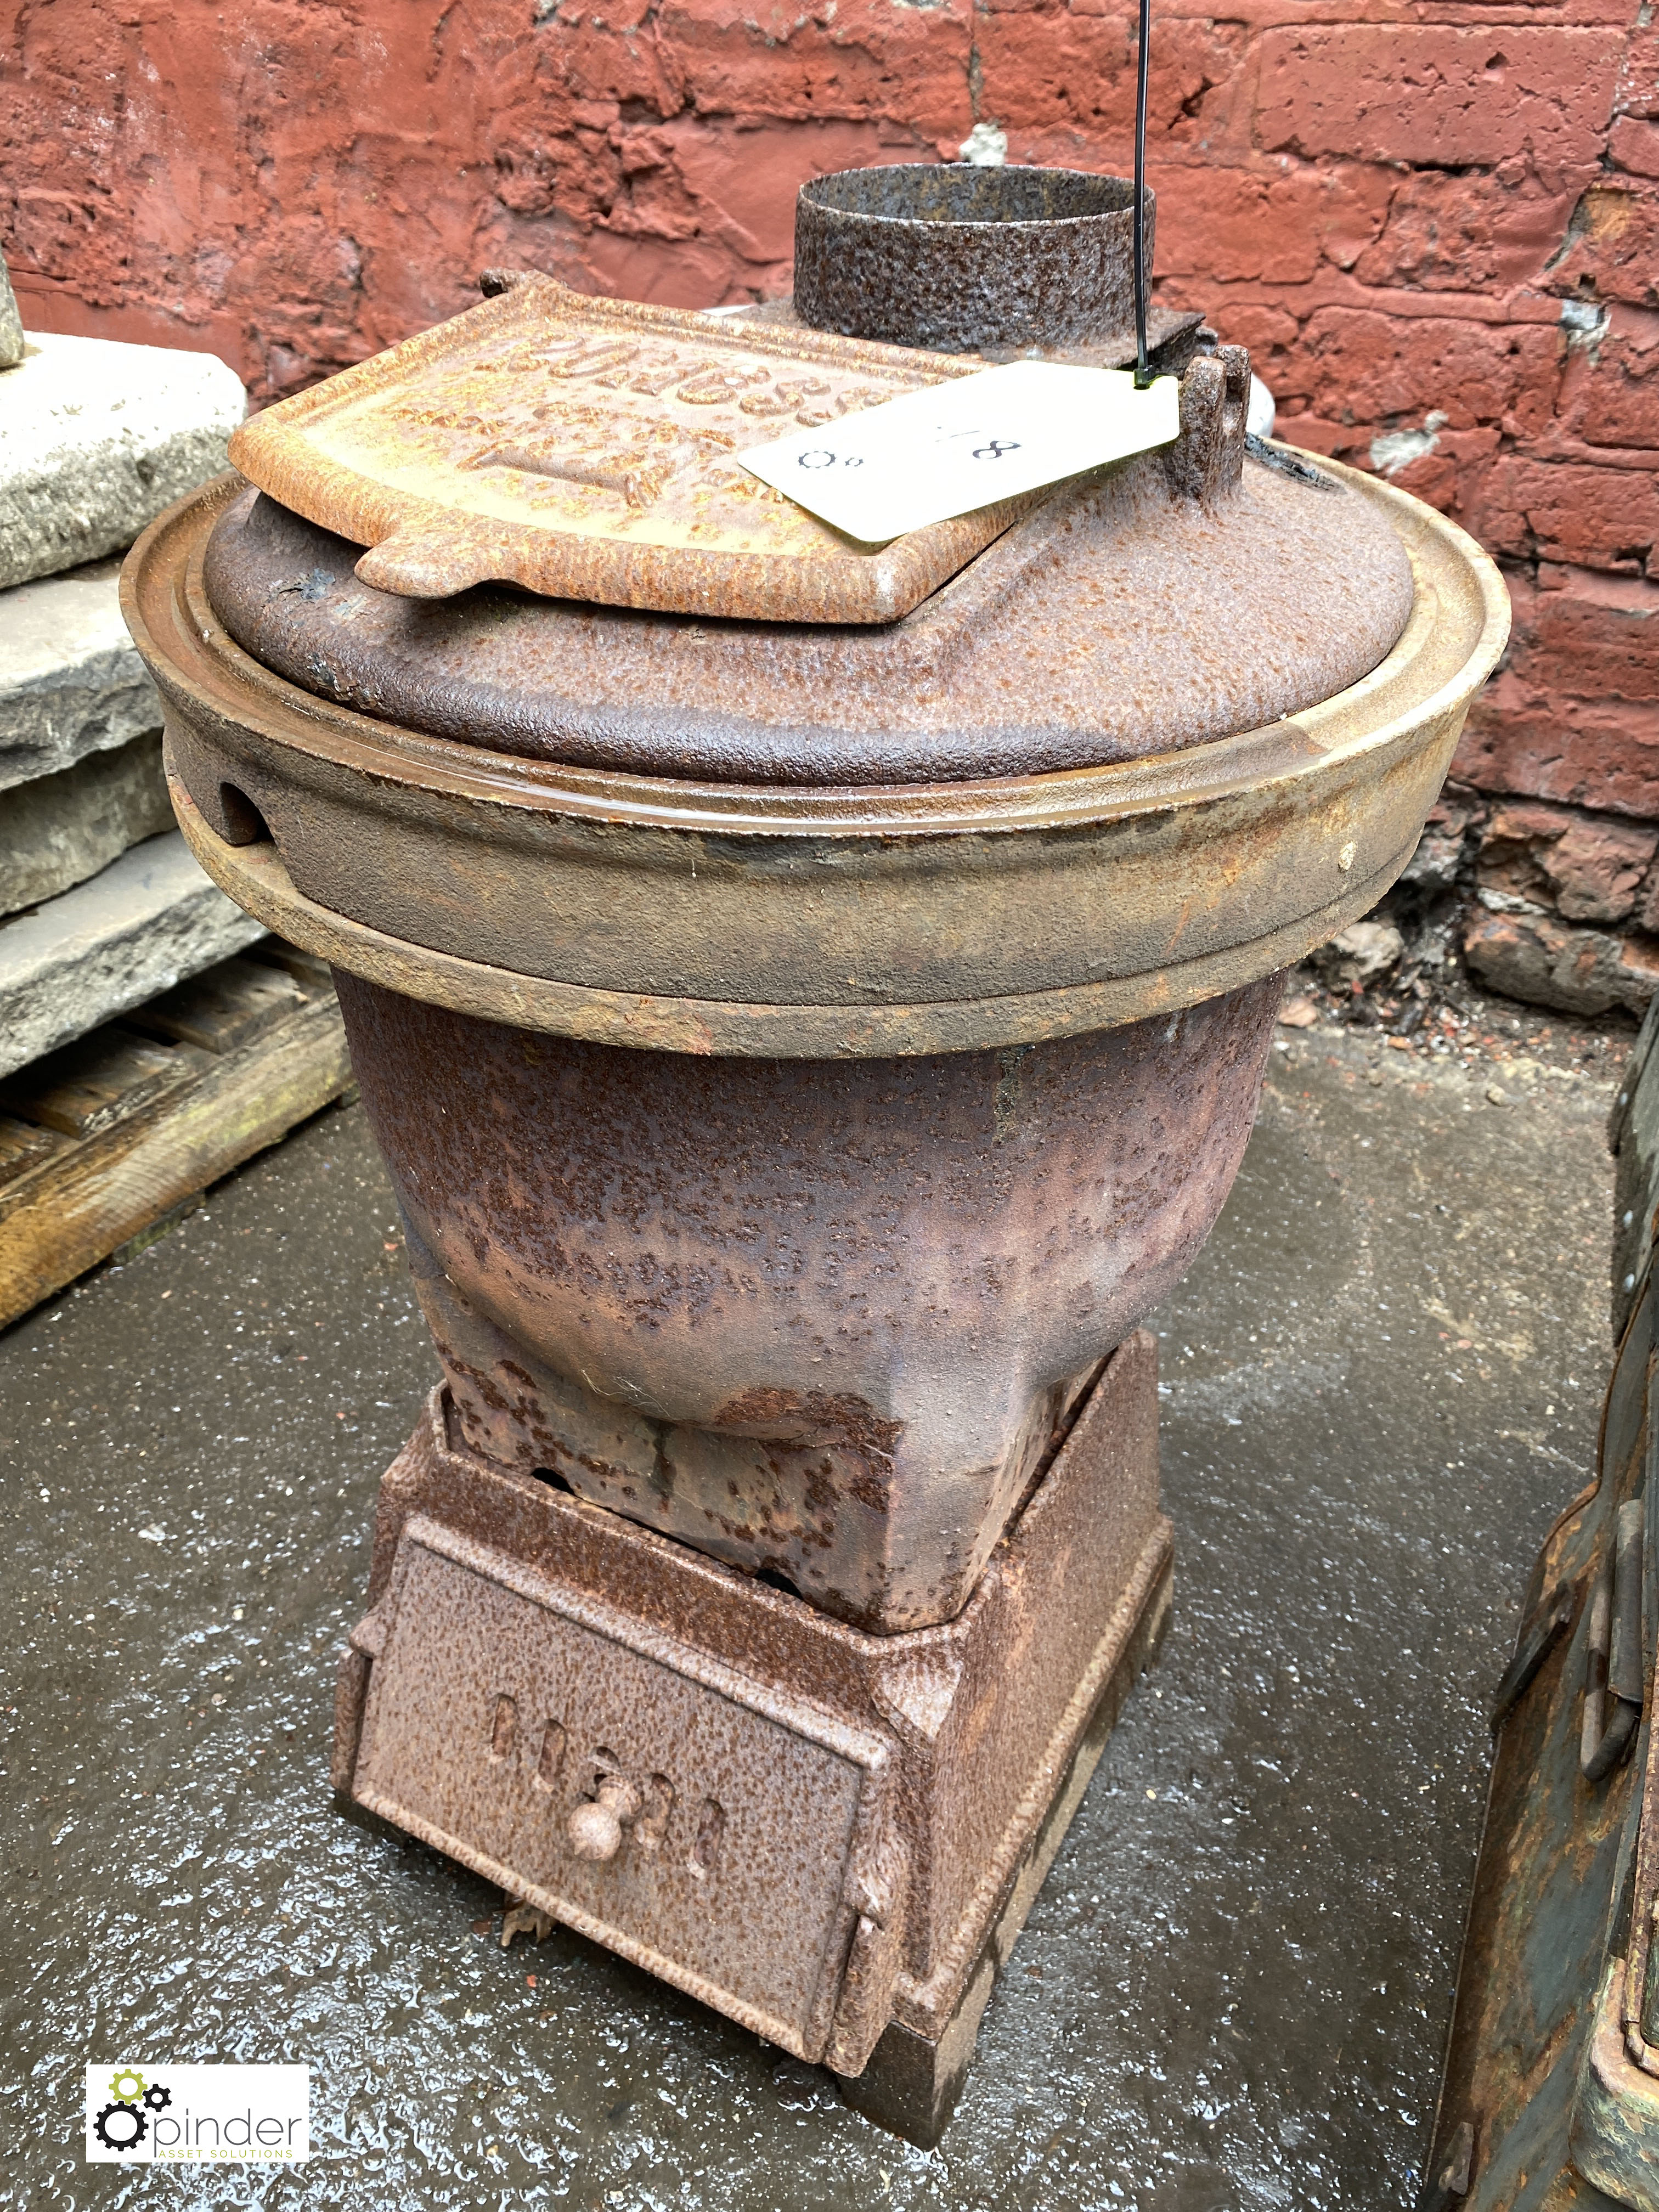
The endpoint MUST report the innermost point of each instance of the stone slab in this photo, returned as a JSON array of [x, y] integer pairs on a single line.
[[1529, 953], [60, 829], [71, 682], [96, 437], [146, 921]]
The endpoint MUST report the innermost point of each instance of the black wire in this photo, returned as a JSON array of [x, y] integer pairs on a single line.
[[1143, 374]]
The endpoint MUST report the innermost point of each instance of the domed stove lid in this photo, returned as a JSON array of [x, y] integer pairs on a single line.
[[1155, 605], [691, 621], [587, 449]]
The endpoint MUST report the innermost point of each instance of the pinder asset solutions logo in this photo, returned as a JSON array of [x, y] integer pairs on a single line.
[[197, 2115]]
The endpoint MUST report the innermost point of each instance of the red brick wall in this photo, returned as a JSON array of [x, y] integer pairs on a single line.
[[1391, 204]]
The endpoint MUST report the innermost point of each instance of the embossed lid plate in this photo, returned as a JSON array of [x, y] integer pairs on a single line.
[[587, 449]]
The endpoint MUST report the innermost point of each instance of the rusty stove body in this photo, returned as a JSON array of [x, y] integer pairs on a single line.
[[812, 1001]]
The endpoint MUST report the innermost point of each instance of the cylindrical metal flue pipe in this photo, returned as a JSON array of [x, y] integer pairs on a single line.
[[967, 260]]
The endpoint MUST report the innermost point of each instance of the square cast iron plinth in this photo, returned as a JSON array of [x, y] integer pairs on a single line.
[[831, 1836]]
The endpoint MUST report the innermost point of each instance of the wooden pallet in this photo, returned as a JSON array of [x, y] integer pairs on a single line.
[[104, 1137]]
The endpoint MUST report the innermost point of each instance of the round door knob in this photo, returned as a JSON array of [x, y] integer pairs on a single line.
[[595, 1832], [595, 1829]]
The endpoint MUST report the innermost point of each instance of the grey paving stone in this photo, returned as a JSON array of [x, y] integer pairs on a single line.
[[60, 829], [71, 682], [96, 438], [146, 921]]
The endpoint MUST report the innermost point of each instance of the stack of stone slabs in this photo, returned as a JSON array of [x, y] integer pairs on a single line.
[[102, 905], [142, 1055]]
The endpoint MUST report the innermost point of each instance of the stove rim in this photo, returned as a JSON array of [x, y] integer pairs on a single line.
[[1045, 800], [1242, 855]]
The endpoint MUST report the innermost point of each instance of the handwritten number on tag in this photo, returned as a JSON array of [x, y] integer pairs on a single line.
[[1036, 423]]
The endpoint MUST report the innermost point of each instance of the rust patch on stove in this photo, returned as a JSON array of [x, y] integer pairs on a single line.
[[864, 1442], [821, 1319]]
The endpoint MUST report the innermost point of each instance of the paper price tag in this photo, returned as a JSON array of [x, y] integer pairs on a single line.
[[957, 447]]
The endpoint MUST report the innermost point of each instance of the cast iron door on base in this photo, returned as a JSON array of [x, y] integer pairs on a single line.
[[698, 1821]]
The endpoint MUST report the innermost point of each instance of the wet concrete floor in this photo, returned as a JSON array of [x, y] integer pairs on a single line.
[[1382, 1381]]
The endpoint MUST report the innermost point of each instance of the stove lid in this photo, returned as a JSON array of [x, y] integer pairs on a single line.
[[1123, 618], [585, 449]]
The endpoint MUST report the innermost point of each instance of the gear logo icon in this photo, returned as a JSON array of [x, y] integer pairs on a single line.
[[126, 2123], [120, 2126]]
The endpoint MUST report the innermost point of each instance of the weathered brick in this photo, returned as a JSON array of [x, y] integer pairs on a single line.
[[1598, 753], [1592, 518], [857, 62], [1424, 457], [1270, 224], [1368, 367], [1462, 231], [1588, 867], [1467, 231], [1535, 959], [742, 183], [1433, 478], [1437, 95], [1610, 392], [1578, 633], [1596, 635], [1574, 714], [636, 269], [578, 69], [1647, 911], [1611, 248], [1072, 80], [1634, 145], [1638, 87]]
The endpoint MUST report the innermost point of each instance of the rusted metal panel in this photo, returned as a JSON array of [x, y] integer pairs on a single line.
[[502, 1701], [1551, 2095], [587, 447], [1614, 2130], [1633, 1141], [1076, 639], [1550, 2084], [914, 2078], [980, 1718]]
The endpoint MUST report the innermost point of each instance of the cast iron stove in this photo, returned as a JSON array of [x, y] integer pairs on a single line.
[[812, 1001]]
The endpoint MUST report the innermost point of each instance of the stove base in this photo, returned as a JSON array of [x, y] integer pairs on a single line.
[[831, 1836], [912, 2082]]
